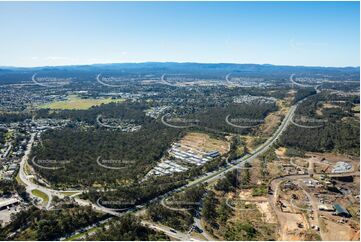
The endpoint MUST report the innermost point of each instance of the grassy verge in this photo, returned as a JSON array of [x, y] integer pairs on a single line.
[[40, 194], [77, 236], [17, 178], [27, 168]]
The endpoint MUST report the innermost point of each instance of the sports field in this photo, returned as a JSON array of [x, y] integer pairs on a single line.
[[75, 102]]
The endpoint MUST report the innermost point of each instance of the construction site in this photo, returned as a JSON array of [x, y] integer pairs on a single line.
[[316, 196], [194, 149]]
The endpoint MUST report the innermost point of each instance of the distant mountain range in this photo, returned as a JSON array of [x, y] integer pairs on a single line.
[[179, 65], [207, 70]]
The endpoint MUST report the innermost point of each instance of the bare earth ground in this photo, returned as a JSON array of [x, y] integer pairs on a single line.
[[249, 141], [326, 105], [265, 209], [330, 159], [281, 151], [270, 123], [291, 95], [272, 120], [337, 232], [205, 143], [289, 229], [261, 203], [331, 229]]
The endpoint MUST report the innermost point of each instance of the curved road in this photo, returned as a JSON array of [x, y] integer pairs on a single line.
[[30, 185], [209, 178], [24, 177], [248, 158]]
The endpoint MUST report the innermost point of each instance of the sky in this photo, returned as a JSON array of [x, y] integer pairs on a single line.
[[280, 33]]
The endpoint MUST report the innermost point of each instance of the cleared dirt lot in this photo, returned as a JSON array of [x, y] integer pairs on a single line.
[[204, 142], [265, 209], [281, 151], [326, 105], [334, 231], [332, 157], [324, 162], [289, 229]]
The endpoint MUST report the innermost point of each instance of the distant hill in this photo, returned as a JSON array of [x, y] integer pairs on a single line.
[[183, 65], [10, 74]]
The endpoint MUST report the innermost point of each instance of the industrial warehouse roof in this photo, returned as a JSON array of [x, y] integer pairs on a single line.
[[340, 209]]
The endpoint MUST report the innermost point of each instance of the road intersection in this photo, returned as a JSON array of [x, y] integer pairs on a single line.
[[211, 177]]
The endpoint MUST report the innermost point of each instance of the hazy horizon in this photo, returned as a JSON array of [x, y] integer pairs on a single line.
[[175, 62]]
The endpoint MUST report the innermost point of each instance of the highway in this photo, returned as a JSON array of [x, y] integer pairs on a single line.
[[239, 126], [204, 232], [168, 231], [163, 81], [219, 174], [298, 84], [248, 158], [106, 84], [230, 83], [29, 185], [207, 179]]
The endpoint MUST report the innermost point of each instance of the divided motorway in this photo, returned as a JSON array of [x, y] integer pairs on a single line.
[[238, 163], [259, 150], [248, 158]]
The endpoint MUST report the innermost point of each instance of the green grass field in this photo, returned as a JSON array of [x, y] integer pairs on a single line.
[[77, 103], [41, 195]]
